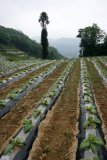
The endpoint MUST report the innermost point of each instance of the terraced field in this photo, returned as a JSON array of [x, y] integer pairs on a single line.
[[53, 110]]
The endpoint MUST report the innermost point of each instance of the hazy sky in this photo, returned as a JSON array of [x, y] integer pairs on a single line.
[[66, 16]]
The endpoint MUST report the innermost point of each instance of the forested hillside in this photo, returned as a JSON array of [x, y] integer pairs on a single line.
[[17, 39]]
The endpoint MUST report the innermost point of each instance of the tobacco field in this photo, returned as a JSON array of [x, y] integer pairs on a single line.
[[53, 109]]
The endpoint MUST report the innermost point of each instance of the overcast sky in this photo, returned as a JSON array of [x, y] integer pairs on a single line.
[[66, 16]]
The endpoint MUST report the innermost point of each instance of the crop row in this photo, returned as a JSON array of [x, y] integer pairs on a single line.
[[91, 141], [100, 95], [7, 104], [8, 67], [57, 134], [31, 123], [4, 92], [15, 70], [15, 77], [102, 69], [25, 106], [103, 60]]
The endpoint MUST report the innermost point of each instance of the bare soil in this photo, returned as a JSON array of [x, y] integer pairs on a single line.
[[100, 94], [10, 123], [57, 133], [17, 70], [16, 85]]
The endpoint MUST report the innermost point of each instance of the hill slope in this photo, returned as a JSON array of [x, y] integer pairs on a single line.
[[19, 40]]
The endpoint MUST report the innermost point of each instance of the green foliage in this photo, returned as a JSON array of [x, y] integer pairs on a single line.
[[87, 99], [13, 39], [27, 125], [44, 21], [14, 142], [87, 93], [92, 143], [36, 113], [91, 122], [45, 101], [13, 96], [52, 93], [8, 149], [3, 103], [53, 53], [91, 109], [91, 37]]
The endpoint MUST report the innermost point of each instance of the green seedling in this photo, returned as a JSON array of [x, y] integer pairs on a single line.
[[91, 122], [3, 103], [91, 109], [27, 125], [45, 101], [92, 142], [87, 93], [87, 99], [14, 142], [36, 113], [13, 96], [24, 87], [52, 93]]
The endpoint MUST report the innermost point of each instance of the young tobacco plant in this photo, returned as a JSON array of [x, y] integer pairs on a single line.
[[13, 96], [14, 142], [87, 99], [3, 103], [45, 101], [27, 125], [91, 109], [92, 142], [36, 113], [87, 93], [91, 122], [52, 93]]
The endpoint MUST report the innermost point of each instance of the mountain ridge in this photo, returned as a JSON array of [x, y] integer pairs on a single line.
[[68, 47]]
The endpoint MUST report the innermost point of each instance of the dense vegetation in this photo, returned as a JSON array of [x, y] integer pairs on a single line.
[[93, 41], [44, 21], [14, 38]]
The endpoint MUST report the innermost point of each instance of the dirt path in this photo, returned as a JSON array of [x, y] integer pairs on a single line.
[[57, 133], [12, 121]]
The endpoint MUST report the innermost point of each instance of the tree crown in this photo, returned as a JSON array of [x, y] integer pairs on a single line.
[[44, 20]]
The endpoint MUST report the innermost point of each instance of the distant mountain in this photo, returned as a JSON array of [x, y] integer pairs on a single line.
[[68, 47]]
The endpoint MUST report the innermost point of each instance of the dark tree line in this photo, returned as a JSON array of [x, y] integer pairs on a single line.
[[93, 41], [14, 38]]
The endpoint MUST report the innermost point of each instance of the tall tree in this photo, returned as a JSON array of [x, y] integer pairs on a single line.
[[44, 21], [91, 37]]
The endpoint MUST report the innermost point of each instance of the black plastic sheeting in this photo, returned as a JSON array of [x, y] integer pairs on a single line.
[[19, 77], [102, 152], [11, 103], [82, 118], [16, 70], [24, 153]]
